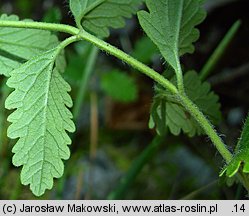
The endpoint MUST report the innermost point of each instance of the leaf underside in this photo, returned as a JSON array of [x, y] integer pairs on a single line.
[[241, 154], [18, 45], [166, 111], [40, 121], [170, 24], [97, 16]]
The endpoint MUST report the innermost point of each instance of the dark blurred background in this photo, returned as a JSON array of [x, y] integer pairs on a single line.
[[112, 133]]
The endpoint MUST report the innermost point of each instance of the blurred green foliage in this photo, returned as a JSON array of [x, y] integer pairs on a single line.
[[119, 86]]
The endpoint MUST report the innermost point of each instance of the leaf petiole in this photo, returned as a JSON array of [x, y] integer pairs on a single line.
[[40, 25]]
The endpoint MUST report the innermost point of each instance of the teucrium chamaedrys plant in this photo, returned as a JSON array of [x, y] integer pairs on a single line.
[[41, 101]]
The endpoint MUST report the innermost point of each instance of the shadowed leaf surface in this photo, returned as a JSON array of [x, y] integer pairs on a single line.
[[167, 112]]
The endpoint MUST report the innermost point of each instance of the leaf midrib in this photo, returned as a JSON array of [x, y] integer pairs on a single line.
[[91, 7], [50, 69], [176, 48]]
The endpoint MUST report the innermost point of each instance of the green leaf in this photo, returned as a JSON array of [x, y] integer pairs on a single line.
[[166, 111], [78, 7], [97, 16], [241, 154], [40, 121], [119, 86], [171, 26], [18, 45]]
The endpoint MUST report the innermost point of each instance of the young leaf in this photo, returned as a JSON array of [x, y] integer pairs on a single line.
[[97, 16], [166, 111], [18, 45], [40, 121], [241, 154], [171, 26], [119, 86]]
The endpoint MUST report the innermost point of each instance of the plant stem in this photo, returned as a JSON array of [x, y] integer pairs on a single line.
[[219, 51], [96, 41], [40, 25], [210, 131], [84, 81], [66, 42], [129, 60], [207, 127], [179, 77], [188, 104]]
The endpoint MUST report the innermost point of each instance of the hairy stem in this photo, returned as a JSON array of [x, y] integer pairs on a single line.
[[40, 25], [188, 104], [66, 42], [129, 60], [179, 78], [207, 127], [210, 131]]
